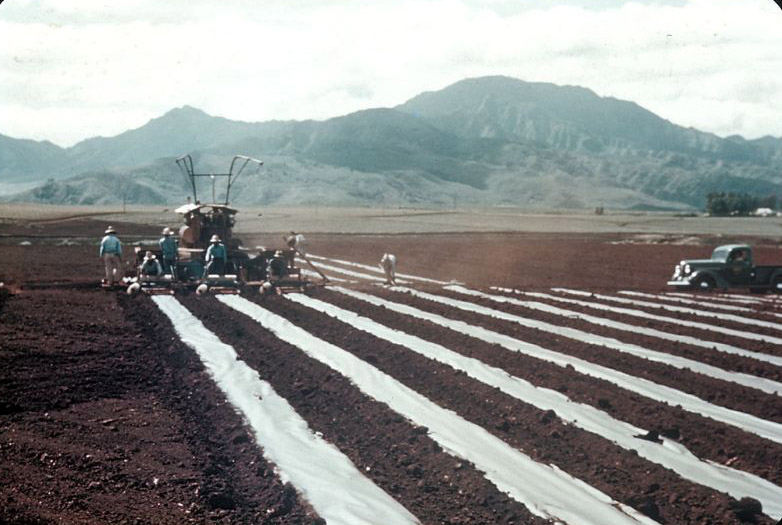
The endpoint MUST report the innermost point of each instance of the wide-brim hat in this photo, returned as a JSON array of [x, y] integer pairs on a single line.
[[214, 238], [110, 229]]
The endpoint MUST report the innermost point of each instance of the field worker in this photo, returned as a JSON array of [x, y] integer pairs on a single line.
[[216, 257], [150, 267], [278, 266], [111, 253], [388, 265], [295, 241], [169, 246]]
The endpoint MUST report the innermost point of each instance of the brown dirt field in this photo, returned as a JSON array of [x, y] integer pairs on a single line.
[[106, 417]]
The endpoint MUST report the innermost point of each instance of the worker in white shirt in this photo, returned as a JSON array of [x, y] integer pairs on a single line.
[[388, 265]]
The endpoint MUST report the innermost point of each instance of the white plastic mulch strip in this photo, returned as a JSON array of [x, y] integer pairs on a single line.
[[691, 311], [351, 273], [651, 332], [758, 383], [699, 302], [661, 393], [554, 494], [310, 273], [646, 315], [682, 300], [714, 297], [376, 269], [772, 299], [669, 454], [702, 302], [313, 466]]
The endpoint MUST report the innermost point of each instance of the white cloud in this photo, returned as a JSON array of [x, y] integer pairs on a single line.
[[89, 67]]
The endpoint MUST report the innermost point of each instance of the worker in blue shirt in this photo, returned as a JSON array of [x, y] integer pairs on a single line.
[[150, 267], [111, 253], [216, 257], [169, 246]]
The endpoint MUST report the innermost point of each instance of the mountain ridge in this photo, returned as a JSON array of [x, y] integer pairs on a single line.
[[489, 140]]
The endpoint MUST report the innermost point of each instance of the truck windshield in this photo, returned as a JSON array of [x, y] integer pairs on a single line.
[[720, 254]]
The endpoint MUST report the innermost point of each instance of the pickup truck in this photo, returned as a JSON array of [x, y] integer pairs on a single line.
[[730, 266]]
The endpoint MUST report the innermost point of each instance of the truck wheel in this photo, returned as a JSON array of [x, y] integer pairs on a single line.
[[705, 283], [776, 284]]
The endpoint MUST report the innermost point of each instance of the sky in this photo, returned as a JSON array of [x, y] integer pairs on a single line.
[[76, 69]]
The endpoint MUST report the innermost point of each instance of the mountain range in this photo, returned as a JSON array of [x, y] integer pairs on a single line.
[[490, 141]]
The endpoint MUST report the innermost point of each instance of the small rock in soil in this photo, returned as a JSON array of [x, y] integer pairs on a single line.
[[747, 510]]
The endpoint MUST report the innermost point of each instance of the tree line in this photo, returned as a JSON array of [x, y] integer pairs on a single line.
[[721, 203]]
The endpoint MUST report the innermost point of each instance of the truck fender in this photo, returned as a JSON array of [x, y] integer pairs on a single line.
[[775, 283], [706, 280]]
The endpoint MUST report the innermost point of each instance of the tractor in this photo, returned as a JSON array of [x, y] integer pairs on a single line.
[[243, 269]]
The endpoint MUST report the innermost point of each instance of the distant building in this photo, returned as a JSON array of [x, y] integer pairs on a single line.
[[765, 212]]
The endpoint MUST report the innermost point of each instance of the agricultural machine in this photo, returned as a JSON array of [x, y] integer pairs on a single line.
[[242, 269]]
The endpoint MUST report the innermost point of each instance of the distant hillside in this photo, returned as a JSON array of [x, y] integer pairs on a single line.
[[487, 141], [572, 118], [24, 160]]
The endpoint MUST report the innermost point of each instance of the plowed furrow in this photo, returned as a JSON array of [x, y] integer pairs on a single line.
[[715, 392], [605, 322], [680, 324], [741, 325], [556, 494], [703, 436], [704, 303], [288, 440], [434, 364], [397, 456], [580, 328]]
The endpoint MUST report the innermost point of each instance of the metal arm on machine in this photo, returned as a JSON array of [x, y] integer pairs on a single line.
[[238, 164]]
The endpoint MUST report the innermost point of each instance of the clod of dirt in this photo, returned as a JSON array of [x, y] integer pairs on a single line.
[[652, 436], [286, 504], [221, 500], [548, 416], [671, 433], [747, 510], [647, 507]]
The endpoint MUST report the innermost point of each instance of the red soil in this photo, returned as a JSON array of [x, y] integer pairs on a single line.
[[106, 417]]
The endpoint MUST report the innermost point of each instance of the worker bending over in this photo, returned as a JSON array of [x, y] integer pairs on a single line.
[[216, 257], [388, 265], [150, 267]]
